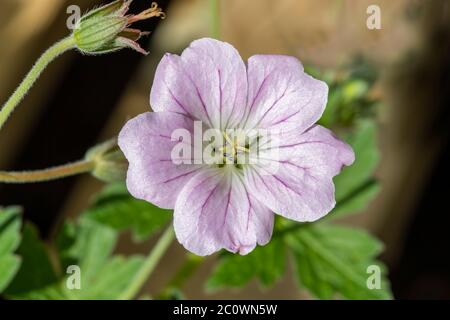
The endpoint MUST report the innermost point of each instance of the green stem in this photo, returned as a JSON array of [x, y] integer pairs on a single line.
[[149, 265], [54, 173], [48, 56], [215, 18]]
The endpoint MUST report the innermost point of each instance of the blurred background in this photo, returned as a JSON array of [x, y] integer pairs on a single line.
[[82, 100]]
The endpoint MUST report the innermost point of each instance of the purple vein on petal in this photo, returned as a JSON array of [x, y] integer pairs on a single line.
[[197, 91], [220, 97], [176, 100], [279, 180], [275, 103], [295, 113], [209, 196], [257, 95], [228, 204], [180, 176], [296, 144]]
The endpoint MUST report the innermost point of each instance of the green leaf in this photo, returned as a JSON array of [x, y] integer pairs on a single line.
[[9, 230], [356, 201], [87, 245], [90, 245], [266, 263], [110, 279], [36, 271], [333, 260], [116, 208], [330, 114], [311, 273], [10, 223], [354, 185], [347, 102]]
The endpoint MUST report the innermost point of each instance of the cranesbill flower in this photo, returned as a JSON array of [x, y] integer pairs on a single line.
[[231, 204]]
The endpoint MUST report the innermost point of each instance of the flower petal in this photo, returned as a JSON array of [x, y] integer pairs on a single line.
[[282, 95], [147, 144], [208, 82], [214, 211], [298, 184]]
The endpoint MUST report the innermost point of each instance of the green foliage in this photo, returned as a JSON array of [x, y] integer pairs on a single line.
[[332, 260], [87, 245], [355, 186], [36, 270], [266, 263], [348, 99], [356, 201], [116, 208], [9, 241]]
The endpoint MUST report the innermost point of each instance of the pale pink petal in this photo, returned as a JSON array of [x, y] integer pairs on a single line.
[[214, 211], [208, 82], [147, 143], [225, 207], [297, 184], [282, 95]]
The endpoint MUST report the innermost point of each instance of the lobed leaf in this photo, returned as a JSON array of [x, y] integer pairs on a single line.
[[333, 261], [266, 263], [10, 223], [89, 246], [116, 208]]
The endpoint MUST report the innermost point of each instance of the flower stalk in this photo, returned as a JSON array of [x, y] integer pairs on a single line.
[[48, 56], [149, 264], [53, 173], [104, 161]]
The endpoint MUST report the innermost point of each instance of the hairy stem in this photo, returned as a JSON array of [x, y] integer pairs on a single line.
[[54, 173], [149, 265], [48, 56]]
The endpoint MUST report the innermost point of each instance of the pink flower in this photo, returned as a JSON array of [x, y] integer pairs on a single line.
[[232, 206]]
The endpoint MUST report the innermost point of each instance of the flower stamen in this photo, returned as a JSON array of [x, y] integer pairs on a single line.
[[231, 149], [153, 11]]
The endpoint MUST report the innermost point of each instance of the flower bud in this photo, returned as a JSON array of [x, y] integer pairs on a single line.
[[110, 163], [106, 29]]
